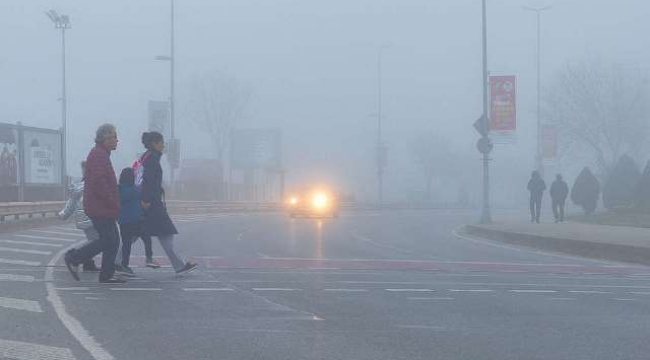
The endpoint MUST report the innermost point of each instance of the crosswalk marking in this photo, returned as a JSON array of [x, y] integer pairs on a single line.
[[273, 289], [20, 304], [20, 262], [471, 290], [46, 238], [18, 350], [25, 251], [208, 289], [534, 291], [58, 233], [136, 289], [409, 290], [12, 277], [32, 243]]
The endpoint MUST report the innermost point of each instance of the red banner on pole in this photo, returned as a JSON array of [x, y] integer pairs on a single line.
[[549, 142], [503, 103]]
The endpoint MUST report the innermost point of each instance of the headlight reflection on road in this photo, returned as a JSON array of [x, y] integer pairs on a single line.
[[319, 239]]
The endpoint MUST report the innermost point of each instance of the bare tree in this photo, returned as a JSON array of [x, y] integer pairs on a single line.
[[601, 109], [216, 103]]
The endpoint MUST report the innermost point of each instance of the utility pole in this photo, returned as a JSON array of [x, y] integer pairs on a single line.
[[484, 144], [539, 164], [62, 22], [381, 148]]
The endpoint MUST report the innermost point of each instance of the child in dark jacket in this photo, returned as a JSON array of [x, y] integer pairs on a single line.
[[130, 220]]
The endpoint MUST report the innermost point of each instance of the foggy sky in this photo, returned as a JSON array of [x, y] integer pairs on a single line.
[[312, 68]]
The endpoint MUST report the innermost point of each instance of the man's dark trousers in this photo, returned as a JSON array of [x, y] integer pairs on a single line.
[[107, 244], [535, 208], [558, 209]]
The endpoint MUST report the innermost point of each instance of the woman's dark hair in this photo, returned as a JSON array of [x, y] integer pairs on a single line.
[[148, 138], [126, 177]]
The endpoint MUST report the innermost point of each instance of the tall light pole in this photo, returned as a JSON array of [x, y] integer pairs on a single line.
[[381, 148], [62, 22], [484, 144], [538, 154], [172, 151]]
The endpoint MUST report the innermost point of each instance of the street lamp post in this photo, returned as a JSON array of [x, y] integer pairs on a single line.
[[172, 151], [62, 22], [486, 217], [381, 149], [538, 155]]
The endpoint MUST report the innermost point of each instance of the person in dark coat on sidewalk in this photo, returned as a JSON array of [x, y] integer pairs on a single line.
[[102, 205], [536, 186], [156, 219], [559, 193]]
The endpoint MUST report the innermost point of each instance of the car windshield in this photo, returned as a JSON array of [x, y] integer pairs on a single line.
[[311, 179]]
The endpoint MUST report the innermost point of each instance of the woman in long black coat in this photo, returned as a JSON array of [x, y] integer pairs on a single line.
[[156, 220]]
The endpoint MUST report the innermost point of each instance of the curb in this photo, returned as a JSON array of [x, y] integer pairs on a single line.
[[587, 249]]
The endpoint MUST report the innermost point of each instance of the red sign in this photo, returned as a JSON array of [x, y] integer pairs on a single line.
[[549, 142], [503, 105]]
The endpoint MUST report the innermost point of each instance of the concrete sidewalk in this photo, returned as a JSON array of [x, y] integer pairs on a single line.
[[615, 243]]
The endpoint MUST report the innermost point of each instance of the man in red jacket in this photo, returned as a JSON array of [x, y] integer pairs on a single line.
[[102, 206]]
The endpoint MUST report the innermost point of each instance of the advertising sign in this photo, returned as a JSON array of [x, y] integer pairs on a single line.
[[503, 105], [159, 119], [42, 157], [9, 156], [549, 142]]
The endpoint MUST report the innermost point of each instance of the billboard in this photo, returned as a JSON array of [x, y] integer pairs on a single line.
[[256, 148], [9, 156], [43, 158], [159, 118], [503, 105], [549, 142]]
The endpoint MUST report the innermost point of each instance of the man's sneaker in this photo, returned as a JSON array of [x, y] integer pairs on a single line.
[[124, 271], [90, 267], [112, 280], [151, 263], [188, 268], [72, 268]]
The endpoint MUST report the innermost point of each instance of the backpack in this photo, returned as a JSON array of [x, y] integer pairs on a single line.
[[138, 170]]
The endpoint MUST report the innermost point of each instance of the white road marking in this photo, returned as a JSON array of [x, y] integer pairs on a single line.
[[409, 290], [66, 228], [389, 247], [263, 256], [588, 292], [471, 290], [20, 262], [421, 327], [58, 233], [534, 291], [46, 238], [274, 289], [17, 242], [91, 298], [86, 293], [12, 277], [25, 251], [20, 304], [640, 292], [208, 289], [18, 350], [346, 290], [72, 324], [563, 298], [135, 289], [620, 299], [72, 288], [430, 298]]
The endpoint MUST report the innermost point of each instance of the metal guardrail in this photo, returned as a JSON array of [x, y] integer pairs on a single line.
[[31, 210]]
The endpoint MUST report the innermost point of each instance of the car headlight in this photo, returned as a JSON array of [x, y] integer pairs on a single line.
[[320, 201]]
